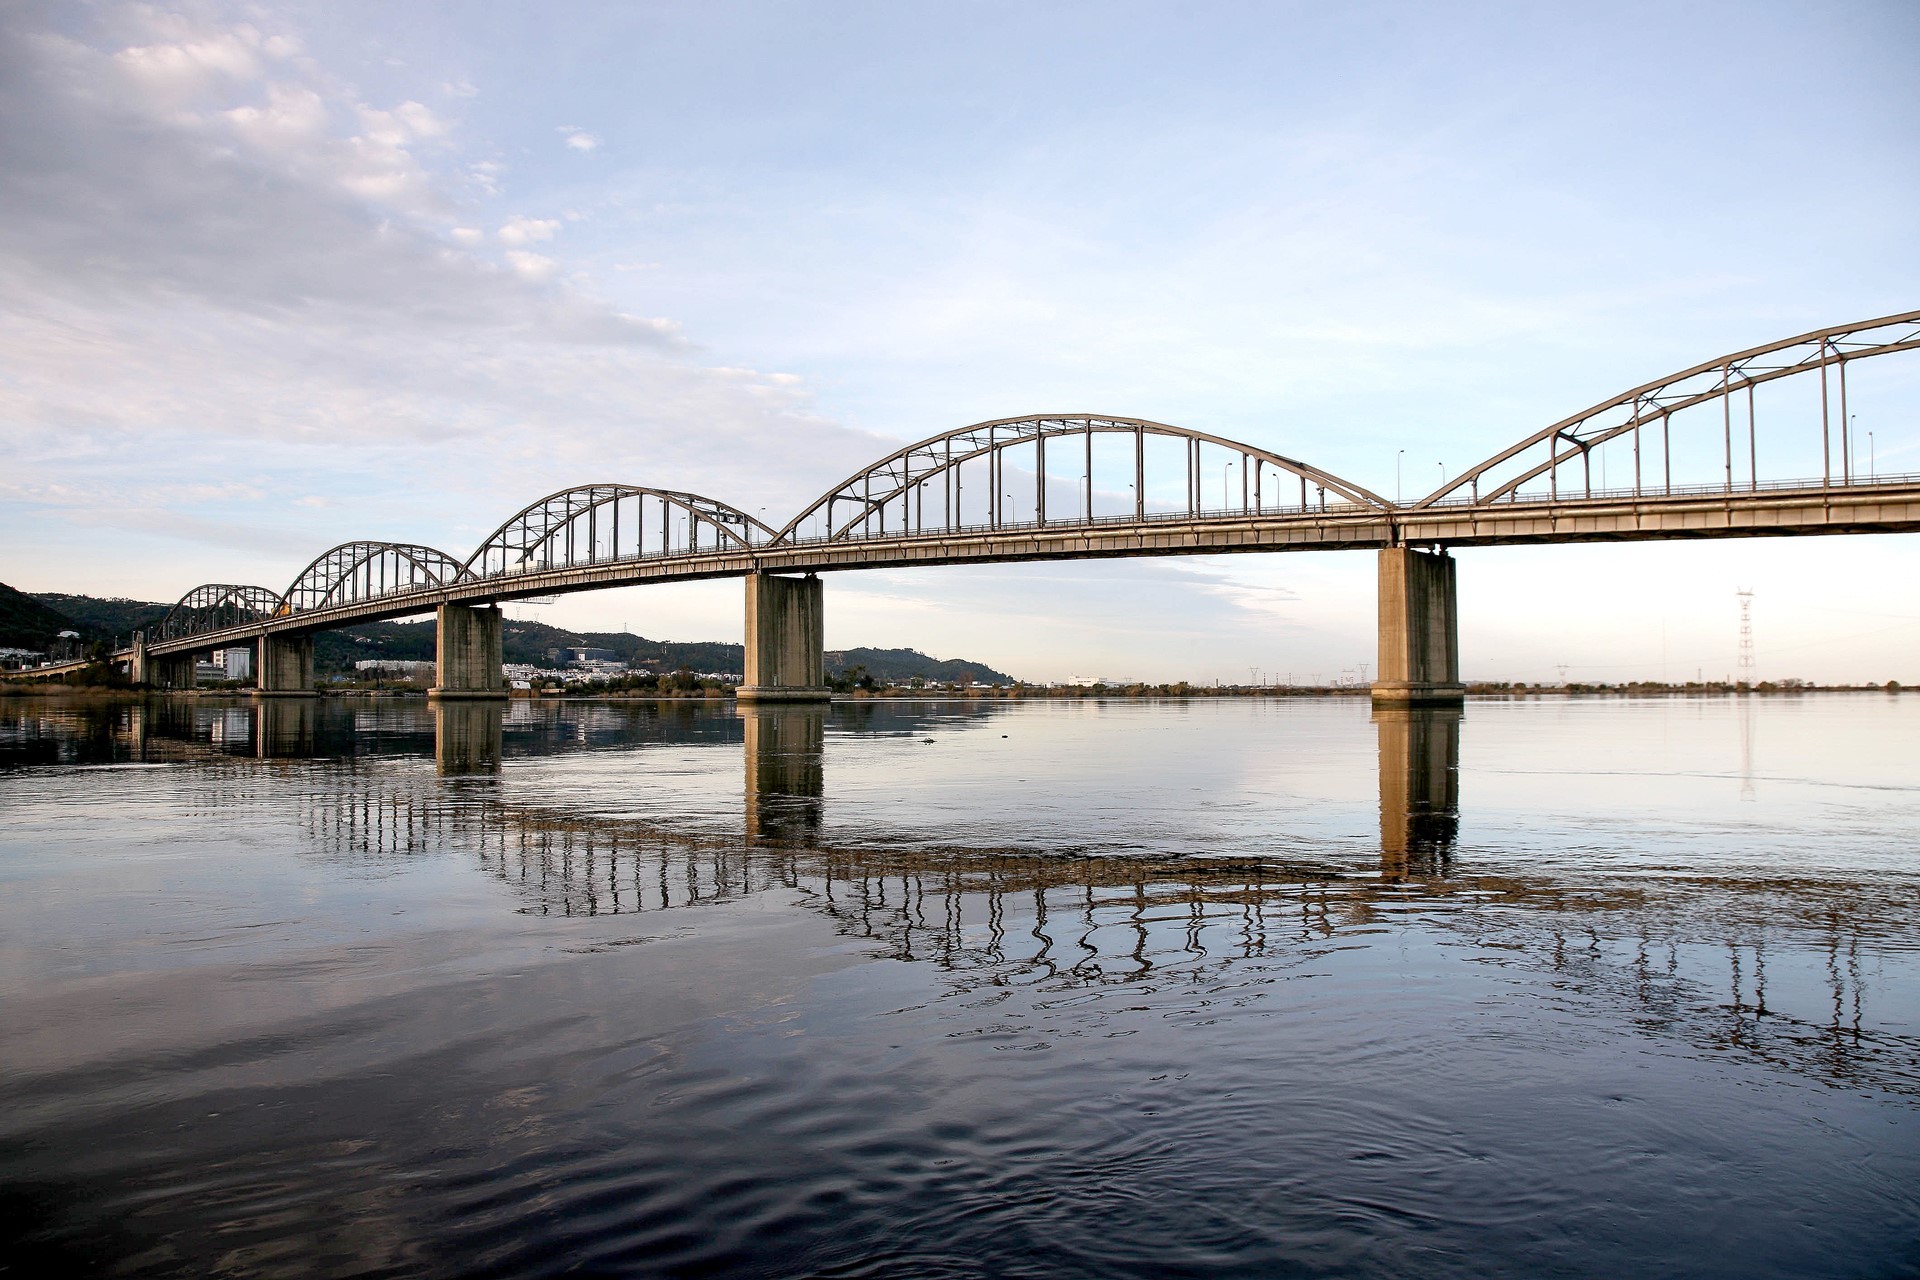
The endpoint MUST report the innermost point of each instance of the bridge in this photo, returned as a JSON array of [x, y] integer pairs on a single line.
[[1689, 455]]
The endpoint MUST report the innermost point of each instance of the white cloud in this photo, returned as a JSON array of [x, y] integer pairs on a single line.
[[579, 139], [532, 266], [211, 250], [522, 230]]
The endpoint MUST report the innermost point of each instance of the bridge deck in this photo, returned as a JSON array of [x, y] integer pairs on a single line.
[[1885, 506]]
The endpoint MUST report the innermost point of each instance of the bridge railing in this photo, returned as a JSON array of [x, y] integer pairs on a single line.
[[1647, 493]]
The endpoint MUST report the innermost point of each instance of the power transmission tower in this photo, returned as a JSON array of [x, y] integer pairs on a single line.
[[1746, 638]]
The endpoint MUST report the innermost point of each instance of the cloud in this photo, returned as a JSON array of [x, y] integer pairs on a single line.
[[533, 266], [520, 230], [214, 253], [579, 139]]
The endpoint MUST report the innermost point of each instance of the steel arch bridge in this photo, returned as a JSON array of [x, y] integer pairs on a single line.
[[1757, 442], [583, 525], [217, 607], [898, 485]]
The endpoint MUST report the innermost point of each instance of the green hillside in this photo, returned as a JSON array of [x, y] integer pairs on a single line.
[[33, 620], [99, 619], [28, 623]]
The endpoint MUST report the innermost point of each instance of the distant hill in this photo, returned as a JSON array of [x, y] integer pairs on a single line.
[[99, 619], [27, 623], [530, 642], [540, 645], [905, 664]]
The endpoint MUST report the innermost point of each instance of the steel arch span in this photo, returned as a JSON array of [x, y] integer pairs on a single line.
[[598, 523], [356, 572], [1717, 449], [973, 489], [217, 606]]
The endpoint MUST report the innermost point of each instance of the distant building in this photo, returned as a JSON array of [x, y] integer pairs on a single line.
[[67, 646], [589, 655], [20, 659], [396, 668], [236, 662]]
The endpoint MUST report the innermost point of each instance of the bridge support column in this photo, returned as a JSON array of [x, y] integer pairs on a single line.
[[137, 664], [283, 667], [786, 640], [170, 670], [1419, 629], [467, 653]]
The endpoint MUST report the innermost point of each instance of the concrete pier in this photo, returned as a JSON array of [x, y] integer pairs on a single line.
[[137, 662], [467, 654], [1419, 629], [284, 666], [1419, 787], [786, 782], [786, 640], [170, 671]]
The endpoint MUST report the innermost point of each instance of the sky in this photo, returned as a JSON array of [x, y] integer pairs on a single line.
[[278, 276]]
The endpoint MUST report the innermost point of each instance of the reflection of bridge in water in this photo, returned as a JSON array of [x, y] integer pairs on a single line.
[[1683, 958]]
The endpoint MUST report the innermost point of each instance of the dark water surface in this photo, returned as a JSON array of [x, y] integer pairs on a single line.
[[1559, 988]]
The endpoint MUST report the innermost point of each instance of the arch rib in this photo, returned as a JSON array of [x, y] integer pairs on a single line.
[[214, 606], [911, 466], [1657, 401], [320, 583], [541, 522]]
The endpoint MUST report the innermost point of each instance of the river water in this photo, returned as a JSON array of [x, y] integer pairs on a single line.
[[1562, 987]]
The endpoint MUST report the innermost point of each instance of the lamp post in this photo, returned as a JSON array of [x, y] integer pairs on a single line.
[[1398, 458]]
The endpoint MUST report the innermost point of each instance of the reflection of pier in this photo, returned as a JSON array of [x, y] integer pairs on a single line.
[[466, 736], [785, 770], [1419, 788]]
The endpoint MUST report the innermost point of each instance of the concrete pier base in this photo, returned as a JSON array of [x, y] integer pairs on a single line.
[[1419, 787], [467, 655], [284, 667], [137, 663], [1419, 629], [786, 640]]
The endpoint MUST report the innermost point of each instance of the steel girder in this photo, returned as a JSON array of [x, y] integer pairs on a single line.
[[1653, 404]]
